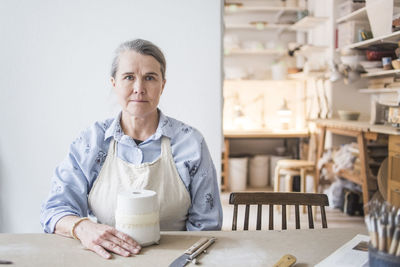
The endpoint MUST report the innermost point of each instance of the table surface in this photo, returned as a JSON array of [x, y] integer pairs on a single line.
[[266, 134], [239, 248], [364, 126]]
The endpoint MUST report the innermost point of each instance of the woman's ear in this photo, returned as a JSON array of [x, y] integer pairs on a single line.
[[112, 82], [163, 85]]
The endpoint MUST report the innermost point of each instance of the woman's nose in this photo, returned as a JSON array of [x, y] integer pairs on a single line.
[[138, 87]]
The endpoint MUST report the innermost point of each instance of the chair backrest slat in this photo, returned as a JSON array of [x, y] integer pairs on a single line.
[[246, 218], [281, 199], [234, 222], [323, 217], [284, 226], [259, 215], [271, 217], [310, 217], [297, 214]]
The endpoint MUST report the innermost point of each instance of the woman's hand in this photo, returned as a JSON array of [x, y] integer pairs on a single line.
[[101, 238]]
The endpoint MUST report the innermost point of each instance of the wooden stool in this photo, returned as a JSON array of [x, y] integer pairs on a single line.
[[294, 167], [297, 167]]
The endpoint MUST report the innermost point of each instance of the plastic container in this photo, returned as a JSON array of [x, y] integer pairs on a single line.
[[237, 174], [259, 171], [379, 259]]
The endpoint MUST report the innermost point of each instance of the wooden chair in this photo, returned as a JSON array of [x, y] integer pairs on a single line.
[[276, 198]]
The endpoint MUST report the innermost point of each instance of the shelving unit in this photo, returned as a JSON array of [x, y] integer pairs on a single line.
[[381, 95]]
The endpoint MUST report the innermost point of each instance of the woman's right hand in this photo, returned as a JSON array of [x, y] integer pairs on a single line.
[[102, 238]]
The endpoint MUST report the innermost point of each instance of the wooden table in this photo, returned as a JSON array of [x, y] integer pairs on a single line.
[[261, 134], [362, 131], [249, 248]]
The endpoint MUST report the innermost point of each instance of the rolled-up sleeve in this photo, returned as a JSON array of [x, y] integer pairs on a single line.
[[205, 213], [69, 189]]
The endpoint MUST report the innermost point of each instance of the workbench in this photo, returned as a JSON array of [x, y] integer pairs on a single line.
[[233, 248], [362, 131]]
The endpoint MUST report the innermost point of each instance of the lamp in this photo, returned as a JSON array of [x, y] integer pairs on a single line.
[[284, 114], [233, 7]]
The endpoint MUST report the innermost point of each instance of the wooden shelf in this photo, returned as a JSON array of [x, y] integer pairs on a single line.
[[380, 73], [311, 50], [267, 52], [390, 38], [308, 23], [305, 76], [360, 14], [379, 90], [346, 173], [242, 134], [245, 8], [248, 26]]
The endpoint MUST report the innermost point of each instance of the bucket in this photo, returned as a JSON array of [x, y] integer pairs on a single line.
[[237, 174], [258, 171], [380, 259]]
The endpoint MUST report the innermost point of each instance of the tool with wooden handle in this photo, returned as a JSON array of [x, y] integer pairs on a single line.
[[286, 261], [191, 253]]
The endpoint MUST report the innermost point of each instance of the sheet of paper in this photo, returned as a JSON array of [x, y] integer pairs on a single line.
[[351, 254]]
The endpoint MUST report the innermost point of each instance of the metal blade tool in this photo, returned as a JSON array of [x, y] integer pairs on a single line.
[[191, 253]]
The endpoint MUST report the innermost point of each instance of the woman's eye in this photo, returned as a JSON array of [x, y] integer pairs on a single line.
[[129, 77], [149, 78]]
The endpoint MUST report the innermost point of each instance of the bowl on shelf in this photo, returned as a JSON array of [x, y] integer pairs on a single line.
[[352, 60], [396, 64], [347, 115], [371, 64]]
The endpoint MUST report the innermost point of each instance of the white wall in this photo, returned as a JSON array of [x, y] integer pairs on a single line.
[[54, 82]]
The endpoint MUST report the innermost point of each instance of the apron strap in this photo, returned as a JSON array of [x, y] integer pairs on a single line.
[[166, 147]]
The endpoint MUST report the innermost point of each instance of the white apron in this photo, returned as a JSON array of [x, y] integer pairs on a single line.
[[161, 176]]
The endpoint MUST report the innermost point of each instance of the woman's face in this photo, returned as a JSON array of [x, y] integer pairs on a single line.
[[138, 83]]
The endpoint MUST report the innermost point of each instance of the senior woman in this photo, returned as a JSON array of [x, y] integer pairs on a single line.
[[141, 148]]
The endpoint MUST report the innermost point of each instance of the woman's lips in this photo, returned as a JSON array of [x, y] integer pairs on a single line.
[[138, 101]]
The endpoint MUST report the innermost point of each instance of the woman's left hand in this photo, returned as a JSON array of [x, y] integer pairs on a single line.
[[101, 238]]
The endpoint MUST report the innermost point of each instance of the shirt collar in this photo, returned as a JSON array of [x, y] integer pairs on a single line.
[[164, 128]]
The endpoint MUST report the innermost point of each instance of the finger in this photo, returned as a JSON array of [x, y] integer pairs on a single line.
[[101, 251], [127, 246], [125, 238], [111, 246]]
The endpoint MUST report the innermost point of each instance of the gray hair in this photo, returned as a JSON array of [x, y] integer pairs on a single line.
[[140, 46]]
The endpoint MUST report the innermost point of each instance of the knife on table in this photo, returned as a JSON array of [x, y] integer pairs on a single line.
[[191, 253]]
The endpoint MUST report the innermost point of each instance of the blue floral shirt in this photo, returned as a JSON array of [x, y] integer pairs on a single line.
[[75, 176]]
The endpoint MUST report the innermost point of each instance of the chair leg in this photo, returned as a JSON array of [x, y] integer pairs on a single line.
[[315, 191], [288, 188], [276, 179], [303, 178], [288, 183]]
